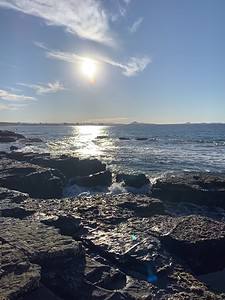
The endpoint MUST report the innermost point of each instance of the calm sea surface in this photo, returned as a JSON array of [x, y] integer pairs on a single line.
[[151, 149]]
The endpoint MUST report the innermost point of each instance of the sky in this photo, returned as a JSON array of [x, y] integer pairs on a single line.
[[155, 61]]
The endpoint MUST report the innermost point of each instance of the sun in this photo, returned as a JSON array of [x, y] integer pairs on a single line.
[[89, 69]]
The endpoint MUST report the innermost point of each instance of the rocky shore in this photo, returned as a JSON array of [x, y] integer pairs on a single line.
[[106, 247]]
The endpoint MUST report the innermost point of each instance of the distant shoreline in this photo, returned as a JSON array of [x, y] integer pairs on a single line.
[[102, 124]]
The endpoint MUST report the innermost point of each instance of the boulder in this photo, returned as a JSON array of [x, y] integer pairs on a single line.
[[199, 188], [98, 179], [13, 148], [199, 241], [69, 166], [37, 181], [9, 136], [136, 181]]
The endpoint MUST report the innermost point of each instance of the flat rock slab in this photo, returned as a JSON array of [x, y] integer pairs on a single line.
[[125, 238], [17, 275], [61, 259], [198, 188], [198, 240], [10, 204]]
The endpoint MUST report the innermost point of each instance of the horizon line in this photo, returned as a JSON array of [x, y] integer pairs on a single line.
[[107, 123]]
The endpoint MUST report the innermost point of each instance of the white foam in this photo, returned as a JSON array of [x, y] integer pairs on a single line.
[[115, 189]]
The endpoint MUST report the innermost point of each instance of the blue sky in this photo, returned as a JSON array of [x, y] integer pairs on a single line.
[[155, 61]]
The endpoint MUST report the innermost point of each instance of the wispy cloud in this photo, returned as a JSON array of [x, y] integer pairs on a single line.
[[134, 27], [133, 66], [85, 18], [40, 89], [10, 96]]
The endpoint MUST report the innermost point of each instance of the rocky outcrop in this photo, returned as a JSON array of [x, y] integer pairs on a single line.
[[60, 259], [136, 181], [69, 166], [124, 240], [9, 136], [199, 188], [17, 275], [98, 179], [106, 246], [38, 182], [199, 241], [13, 148]]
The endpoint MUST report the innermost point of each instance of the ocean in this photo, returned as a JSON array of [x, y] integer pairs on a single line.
[[136, 148]]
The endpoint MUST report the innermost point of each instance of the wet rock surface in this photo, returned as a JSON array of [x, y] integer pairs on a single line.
[[29, 178], [17, 275], [100, 247], [199, 241], [107, 246], [199, 188], [70, 167], [59, 258], [9, 136], [136, 181], [103, 178]]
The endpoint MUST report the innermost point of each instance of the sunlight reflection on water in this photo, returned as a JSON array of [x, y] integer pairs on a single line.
[[164, 148], [86, 136]]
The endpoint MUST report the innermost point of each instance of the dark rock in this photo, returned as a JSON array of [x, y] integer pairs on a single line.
[[127, 256], [201, 189], [34, 140], [142, 208], [13, 196], [9, 136], [41, 293], [124, 138], [199, 241], [13, 148], [61, 259], [99, 179], [34, 180], [68, 225], [17, 275], [141, 139], [15, 212], [69, 166], [132, 180]]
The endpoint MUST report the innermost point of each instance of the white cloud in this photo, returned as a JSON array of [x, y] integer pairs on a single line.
[[85, 18], [132, 67], [134, 27], [40, 89], [10, 96]]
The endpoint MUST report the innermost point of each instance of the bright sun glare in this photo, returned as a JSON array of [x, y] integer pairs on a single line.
[[88, 69]]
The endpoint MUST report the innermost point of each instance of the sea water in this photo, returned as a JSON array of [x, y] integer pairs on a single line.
[[135, 148]]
